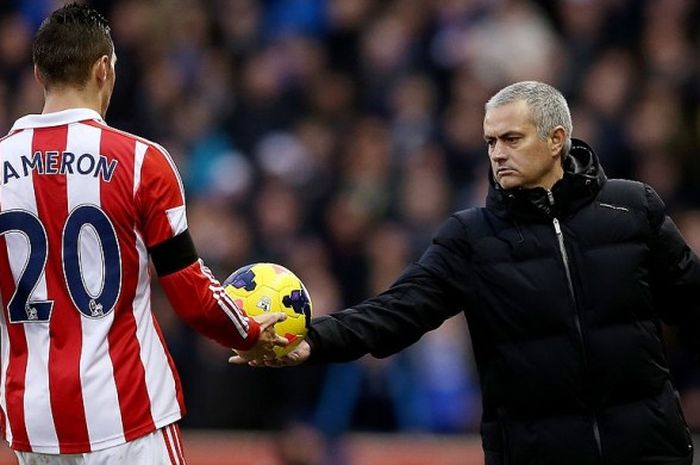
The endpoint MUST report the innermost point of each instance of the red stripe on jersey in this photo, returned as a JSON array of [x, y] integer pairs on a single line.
[[17, 365], [65, 325], [124, 350], [159, 192]]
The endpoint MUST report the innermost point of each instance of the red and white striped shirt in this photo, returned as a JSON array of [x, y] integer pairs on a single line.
[[83, 362]]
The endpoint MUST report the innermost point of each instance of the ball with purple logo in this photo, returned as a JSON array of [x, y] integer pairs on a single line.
[[299, 301], [242, 278]]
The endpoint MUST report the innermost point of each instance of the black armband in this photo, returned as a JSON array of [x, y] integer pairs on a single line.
[[173, 254]]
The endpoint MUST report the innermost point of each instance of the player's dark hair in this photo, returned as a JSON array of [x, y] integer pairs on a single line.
[[69, 42]]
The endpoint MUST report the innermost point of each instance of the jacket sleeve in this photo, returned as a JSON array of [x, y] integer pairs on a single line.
[[675, 274], [426, 294]]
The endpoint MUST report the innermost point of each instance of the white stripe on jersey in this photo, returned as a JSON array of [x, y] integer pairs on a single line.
[[138, 163], [5, 360], [20, 195], [227, 305], [177, 219], [223, 304], [85, 190], [160, 380], [100, 398]]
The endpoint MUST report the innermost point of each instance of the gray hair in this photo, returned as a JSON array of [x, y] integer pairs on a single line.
[[547, 106]]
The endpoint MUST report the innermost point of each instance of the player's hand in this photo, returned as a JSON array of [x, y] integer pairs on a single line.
[[296, 357], [264, 347]]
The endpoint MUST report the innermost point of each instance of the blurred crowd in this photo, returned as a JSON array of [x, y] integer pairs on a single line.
[[334, 137]]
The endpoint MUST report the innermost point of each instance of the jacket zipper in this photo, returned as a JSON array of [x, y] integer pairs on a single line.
[[577, 319]]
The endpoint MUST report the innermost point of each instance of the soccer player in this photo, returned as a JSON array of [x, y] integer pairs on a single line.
[[86, 377]]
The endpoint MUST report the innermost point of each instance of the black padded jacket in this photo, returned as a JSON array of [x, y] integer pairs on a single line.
[[564, 292]]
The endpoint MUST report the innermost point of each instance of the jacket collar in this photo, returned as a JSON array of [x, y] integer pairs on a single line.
[[583, 179], [58, 118]]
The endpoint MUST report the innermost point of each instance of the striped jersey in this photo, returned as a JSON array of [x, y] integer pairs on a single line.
[[83, 362]]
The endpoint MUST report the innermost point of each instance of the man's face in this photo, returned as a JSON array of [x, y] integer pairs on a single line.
[[519, 158]]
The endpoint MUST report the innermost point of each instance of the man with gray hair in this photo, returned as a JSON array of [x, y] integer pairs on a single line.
[[565, 277], [547, 105]]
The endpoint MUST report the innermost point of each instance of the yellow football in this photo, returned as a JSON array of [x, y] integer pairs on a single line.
[[267, 287]]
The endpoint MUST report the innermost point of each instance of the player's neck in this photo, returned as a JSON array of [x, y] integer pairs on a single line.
[[68, 97]]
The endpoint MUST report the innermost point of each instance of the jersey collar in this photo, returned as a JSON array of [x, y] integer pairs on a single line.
[[58, 118]]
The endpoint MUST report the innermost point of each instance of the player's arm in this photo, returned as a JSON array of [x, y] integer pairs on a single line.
[[194, 293], [197, 296]]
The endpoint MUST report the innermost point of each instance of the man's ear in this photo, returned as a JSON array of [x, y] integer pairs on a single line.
[[101, 69], [38, 77], [557, 140]]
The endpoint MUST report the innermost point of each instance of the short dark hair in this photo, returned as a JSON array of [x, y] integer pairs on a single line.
[[69, 42]]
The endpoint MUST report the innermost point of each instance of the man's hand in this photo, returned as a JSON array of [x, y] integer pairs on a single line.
[[268, 339], [295, 357]]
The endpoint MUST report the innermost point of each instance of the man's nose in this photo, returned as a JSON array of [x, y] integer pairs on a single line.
[[498, 153]]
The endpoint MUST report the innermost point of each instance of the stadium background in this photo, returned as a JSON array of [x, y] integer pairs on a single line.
[[333, 136]]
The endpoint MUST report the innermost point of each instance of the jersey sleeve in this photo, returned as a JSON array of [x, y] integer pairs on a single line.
[[196, 296], [160, 198]]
